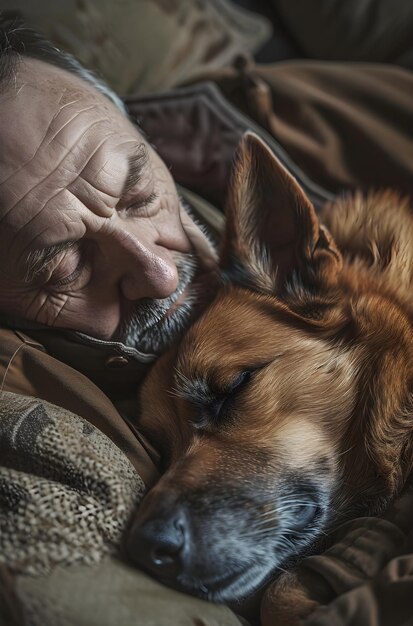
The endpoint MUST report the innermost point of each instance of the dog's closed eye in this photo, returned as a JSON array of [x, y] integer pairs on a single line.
[[212, 405]]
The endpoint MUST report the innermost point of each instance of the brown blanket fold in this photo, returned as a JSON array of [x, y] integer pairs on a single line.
[[347, 125], [364, 578]]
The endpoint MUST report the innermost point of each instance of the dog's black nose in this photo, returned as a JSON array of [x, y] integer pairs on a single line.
[[158, 545]]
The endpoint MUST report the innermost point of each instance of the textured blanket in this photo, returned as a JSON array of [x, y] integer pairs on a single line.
[[66, 491], [66, 495]]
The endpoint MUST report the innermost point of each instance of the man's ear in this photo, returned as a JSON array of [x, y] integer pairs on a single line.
[[272, 230]]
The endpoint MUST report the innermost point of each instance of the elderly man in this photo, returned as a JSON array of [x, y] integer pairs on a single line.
[[93, 232], [94, 236], [102, 266], [95, 241]]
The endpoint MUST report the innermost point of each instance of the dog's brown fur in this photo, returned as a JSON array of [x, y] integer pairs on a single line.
[[320, 313]]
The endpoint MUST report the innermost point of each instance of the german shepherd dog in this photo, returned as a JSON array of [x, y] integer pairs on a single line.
[[288, 405]]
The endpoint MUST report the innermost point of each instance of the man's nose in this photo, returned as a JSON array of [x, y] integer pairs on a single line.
[[142, 268]]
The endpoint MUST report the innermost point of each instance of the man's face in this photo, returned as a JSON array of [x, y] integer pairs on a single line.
[[93, 235]]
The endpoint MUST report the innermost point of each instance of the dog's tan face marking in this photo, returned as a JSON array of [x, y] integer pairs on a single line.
[[260, 367], [289, 402]]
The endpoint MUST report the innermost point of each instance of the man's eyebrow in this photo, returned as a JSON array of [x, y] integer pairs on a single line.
[[38, 260], [137, 162]]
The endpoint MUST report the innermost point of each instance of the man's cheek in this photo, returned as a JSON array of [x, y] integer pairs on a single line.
[[72, 311], [43, 307], [19, 299], [200, 244], [81, 312]]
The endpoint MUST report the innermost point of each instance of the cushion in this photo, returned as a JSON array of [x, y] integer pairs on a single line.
[[146, 45], [355, 30]]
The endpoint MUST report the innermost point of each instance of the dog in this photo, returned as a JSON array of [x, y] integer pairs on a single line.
[[287, 406]]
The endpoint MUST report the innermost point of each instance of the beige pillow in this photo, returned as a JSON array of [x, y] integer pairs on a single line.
[[142, 46]]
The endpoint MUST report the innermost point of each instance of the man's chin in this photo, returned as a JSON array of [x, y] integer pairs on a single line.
[[164, 333], [155, 325], [163, 328]]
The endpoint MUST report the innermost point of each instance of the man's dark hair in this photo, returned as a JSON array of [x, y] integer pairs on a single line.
[[18, 40]]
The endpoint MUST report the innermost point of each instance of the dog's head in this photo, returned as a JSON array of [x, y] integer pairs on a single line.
[[265, 414]]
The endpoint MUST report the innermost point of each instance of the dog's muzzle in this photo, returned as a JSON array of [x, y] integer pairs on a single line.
[[219, 544]]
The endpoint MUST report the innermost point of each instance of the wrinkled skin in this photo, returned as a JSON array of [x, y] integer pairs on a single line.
[[64, 162]]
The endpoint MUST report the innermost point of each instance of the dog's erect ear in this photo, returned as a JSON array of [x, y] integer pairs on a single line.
[[272, 229]]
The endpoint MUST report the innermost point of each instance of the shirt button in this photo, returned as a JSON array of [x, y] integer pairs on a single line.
[[116, 362]]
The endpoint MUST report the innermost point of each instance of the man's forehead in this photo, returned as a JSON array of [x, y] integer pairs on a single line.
[[54, 125], [40, 75], [35, 98], [65, 148]]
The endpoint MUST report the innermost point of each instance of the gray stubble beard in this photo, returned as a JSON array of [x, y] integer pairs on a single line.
[[148, 329]]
